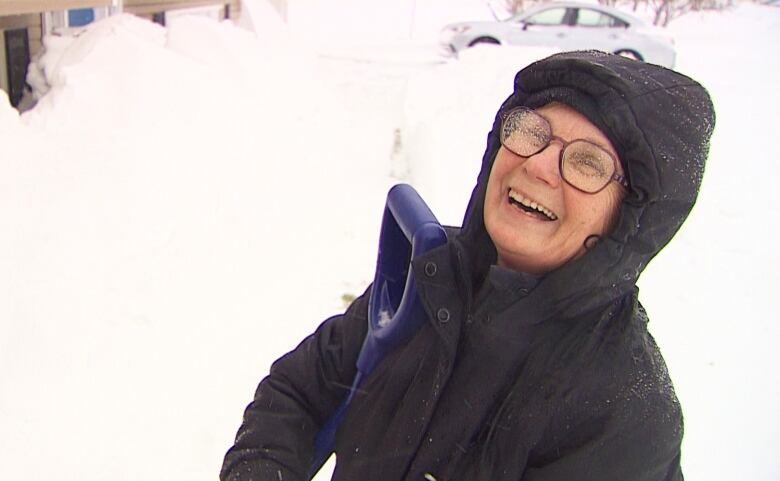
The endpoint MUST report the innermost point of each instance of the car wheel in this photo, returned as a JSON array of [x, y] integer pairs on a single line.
[[629, 54], [489, 40]]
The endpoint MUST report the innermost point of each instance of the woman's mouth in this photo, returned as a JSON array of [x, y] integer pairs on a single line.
[[531, 206]]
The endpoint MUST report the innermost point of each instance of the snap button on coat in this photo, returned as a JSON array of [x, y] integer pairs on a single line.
[[443, 315], [430, 269]]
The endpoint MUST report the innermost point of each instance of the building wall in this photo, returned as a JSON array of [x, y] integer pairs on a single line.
[[18, 7], [3, 74], [147, 8], [17, 14], [32, 22]]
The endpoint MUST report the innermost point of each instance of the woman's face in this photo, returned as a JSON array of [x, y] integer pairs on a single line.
[[538, 242]]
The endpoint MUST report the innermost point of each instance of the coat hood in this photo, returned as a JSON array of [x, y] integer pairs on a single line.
[[659, 122]]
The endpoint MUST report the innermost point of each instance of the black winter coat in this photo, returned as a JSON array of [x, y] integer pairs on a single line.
[[513, 378]]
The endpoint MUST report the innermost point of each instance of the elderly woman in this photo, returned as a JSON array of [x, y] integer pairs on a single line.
[[536, 363]]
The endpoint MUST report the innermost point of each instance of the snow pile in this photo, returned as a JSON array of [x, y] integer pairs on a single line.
[[159, 204], [9, 117]]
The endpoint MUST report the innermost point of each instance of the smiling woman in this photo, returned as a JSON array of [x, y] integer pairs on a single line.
[[549, 197], [534, 363]]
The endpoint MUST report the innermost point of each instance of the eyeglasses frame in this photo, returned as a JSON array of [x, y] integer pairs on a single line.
[[620, 179]]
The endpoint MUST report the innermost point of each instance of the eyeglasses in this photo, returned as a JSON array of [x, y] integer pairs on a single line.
[[583, 164]]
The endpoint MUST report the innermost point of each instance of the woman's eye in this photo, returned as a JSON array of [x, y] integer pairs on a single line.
[[534, 138], [587, 165], [525, 133], [538, 138], [525, 142]]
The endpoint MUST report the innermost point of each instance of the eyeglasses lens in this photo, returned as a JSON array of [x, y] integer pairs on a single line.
[[525, 132], [584, 165]]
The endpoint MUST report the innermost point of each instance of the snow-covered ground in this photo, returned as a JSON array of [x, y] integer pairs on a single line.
[[186, 203]]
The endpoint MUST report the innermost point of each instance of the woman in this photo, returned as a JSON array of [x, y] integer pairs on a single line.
[[536, 363]]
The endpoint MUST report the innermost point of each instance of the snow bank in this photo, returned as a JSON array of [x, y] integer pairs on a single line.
[[9, 117], [160, 203]]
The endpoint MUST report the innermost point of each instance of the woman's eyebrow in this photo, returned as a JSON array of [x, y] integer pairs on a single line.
[[607, 147], [592, 140]]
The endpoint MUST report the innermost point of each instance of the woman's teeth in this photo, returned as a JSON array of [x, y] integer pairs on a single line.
[[529, 204]]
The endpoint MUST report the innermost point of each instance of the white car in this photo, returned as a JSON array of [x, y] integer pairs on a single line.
[[569, 26]]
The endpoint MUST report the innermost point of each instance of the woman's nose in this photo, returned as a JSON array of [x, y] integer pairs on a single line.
[[544, 165]]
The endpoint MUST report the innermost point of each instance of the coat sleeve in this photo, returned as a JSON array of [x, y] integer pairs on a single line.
[[304, 387], [632, 432], [641, 453]]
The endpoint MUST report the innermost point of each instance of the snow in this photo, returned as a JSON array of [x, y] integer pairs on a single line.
[[718, 277], [185, 204]]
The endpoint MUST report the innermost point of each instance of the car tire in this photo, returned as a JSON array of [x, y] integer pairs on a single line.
[[633, 55], [488, 40]]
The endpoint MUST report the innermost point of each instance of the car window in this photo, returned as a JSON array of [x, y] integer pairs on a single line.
[[552, 16], [592, 18]]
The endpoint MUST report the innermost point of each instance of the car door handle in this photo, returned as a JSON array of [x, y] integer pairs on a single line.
[[561, 35]]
